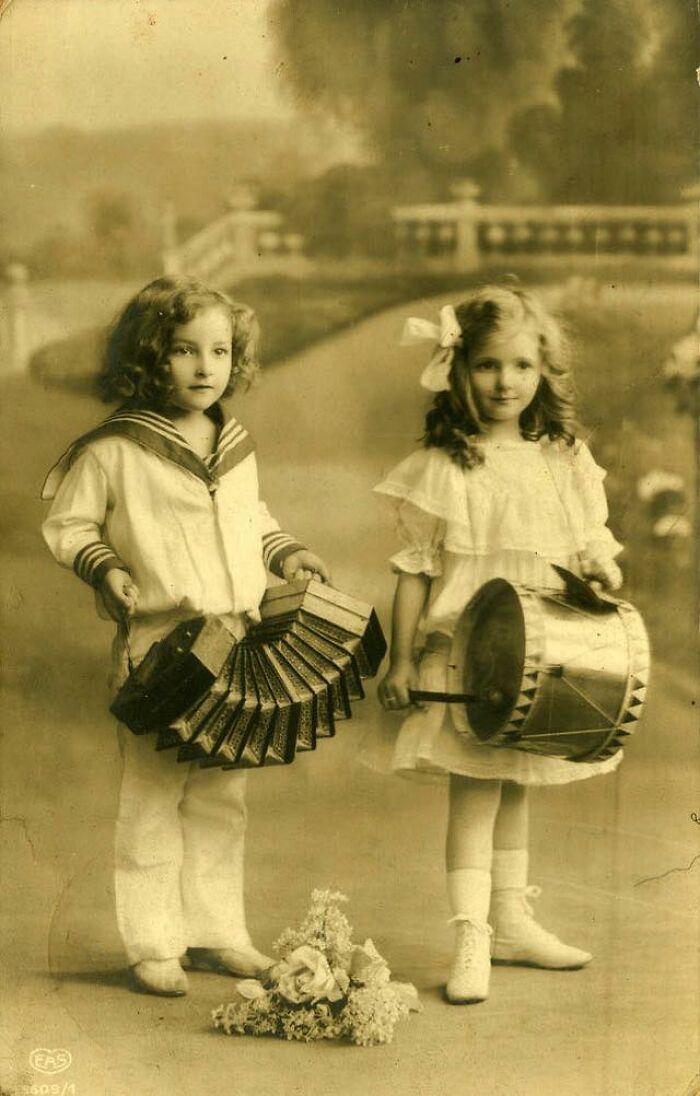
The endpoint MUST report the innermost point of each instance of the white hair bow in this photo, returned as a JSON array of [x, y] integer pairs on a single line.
[[447, 334]]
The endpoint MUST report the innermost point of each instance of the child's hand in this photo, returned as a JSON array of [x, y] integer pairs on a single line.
[[393, 691], [304, 564], [601, 573], [119, 594]]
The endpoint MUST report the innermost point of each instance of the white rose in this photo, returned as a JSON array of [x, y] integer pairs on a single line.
[[304, 977]]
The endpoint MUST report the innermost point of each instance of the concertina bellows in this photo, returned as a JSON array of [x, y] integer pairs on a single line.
[[265, 698]]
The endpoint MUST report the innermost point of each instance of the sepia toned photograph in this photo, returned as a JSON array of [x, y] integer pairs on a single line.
[[350, 369]]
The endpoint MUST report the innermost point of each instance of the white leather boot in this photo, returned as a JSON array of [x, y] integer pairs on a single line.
[[469, 890], [518, 939]]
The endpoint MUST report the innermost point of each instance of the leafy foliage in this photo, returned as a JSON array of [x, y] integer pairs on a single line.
[[571, 100], [621, 129], [431, 84]]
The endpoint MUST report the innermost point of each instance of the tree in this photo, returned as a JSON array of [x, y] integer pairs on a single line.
[[430, 84], [342, 212], [622, 128]]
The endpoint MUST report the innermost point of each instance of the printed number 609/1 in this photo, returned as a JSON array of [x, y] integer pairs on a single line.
[[46, 1089]]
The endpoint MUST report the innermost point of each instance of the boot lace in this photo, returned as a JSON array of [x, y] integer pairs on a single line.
[[470, 932], [534, 892]]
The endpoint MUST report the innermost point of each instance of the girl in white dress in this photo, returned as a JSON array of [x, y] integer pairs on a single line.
[[502, 489]]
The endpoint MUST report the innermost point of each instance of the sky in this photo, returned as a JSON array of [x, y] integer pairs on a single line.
[[104, 63]]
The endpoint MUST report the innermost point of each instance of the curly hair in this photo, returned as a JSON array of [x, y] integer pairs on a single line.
[[135, 365], [453, 422]]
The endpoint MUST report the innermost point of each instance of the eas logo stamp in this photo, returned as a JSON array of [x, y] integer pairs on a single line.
[[50, 1061]]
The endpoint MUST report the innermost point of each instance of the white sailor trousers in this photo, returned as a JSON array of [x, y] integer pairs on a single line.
[[179, 848]]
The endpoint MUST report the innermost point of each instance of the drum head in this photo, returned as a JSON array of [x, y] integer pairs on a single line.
[[489, 656]]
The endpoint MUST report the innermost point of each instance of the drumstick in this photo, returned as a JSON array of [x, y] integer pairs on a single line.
[[491, 696]]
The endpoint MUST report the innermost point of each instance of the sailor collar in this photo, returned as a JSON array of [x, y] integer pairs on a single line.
[[159, 435]]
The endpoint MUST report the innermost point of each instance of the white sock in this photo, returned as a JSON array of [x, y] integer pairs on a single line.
[[469, 893], [509, 869]]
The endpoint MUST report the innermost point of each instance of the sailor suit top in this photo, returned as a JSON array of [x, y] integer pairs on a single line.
[[192, 533]]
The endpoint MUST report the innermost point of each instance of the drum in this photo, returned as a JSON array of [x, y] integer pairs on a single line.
[[562, 673]]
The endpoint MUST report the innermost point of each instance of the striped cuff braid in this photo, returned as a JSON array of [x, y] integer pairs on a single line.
[[94, 561], [276, 547]]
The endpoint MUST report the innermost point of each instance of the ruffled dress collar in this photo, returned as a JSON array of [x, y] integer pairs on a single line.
[[541, 497]]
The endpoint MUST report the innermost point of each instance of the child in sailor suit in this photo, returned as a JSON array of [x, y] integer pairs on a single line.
[[158, 509]]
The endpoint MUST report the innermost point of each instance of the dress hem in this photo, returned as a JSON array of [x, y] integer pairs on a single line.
[[430, 773]]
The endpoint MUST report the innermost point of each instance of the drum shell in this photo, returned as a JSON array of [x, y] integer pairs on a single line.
[[574, 685]]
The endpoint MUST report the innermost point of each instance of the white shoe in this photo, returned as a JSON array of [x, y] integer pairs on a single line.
[[520, 941], [471, 966], [245, 962], [163, 977]]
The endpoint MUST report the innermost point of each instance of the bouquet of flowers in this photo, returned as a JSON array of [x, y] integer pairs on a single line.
[[323, 987]]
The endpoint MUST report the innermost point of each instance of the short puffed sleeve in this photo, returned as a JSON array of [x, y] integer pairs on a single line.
[[588, 483], [422, 536], [424, 490]]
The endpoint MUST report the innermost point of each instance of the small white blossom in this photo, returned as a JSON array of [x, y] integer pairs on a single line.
[[672, 525], [658, 481]]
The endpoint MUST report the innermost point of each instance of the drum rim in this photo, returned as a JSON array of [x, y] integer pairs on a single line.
[[533, 658], [506, 734]]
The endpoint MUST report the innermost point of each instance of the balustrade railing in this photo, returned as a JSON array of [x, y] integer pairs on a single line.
[[466, 235], [241, 243]]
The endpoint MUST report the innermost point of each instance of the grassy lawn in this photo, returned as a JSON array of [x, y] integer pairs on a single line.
[[634, 428]]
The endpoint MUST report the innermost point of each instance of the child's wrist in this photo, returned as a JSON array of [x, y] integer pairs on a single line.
[[94, 561], [109, 570], [400, 660]]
